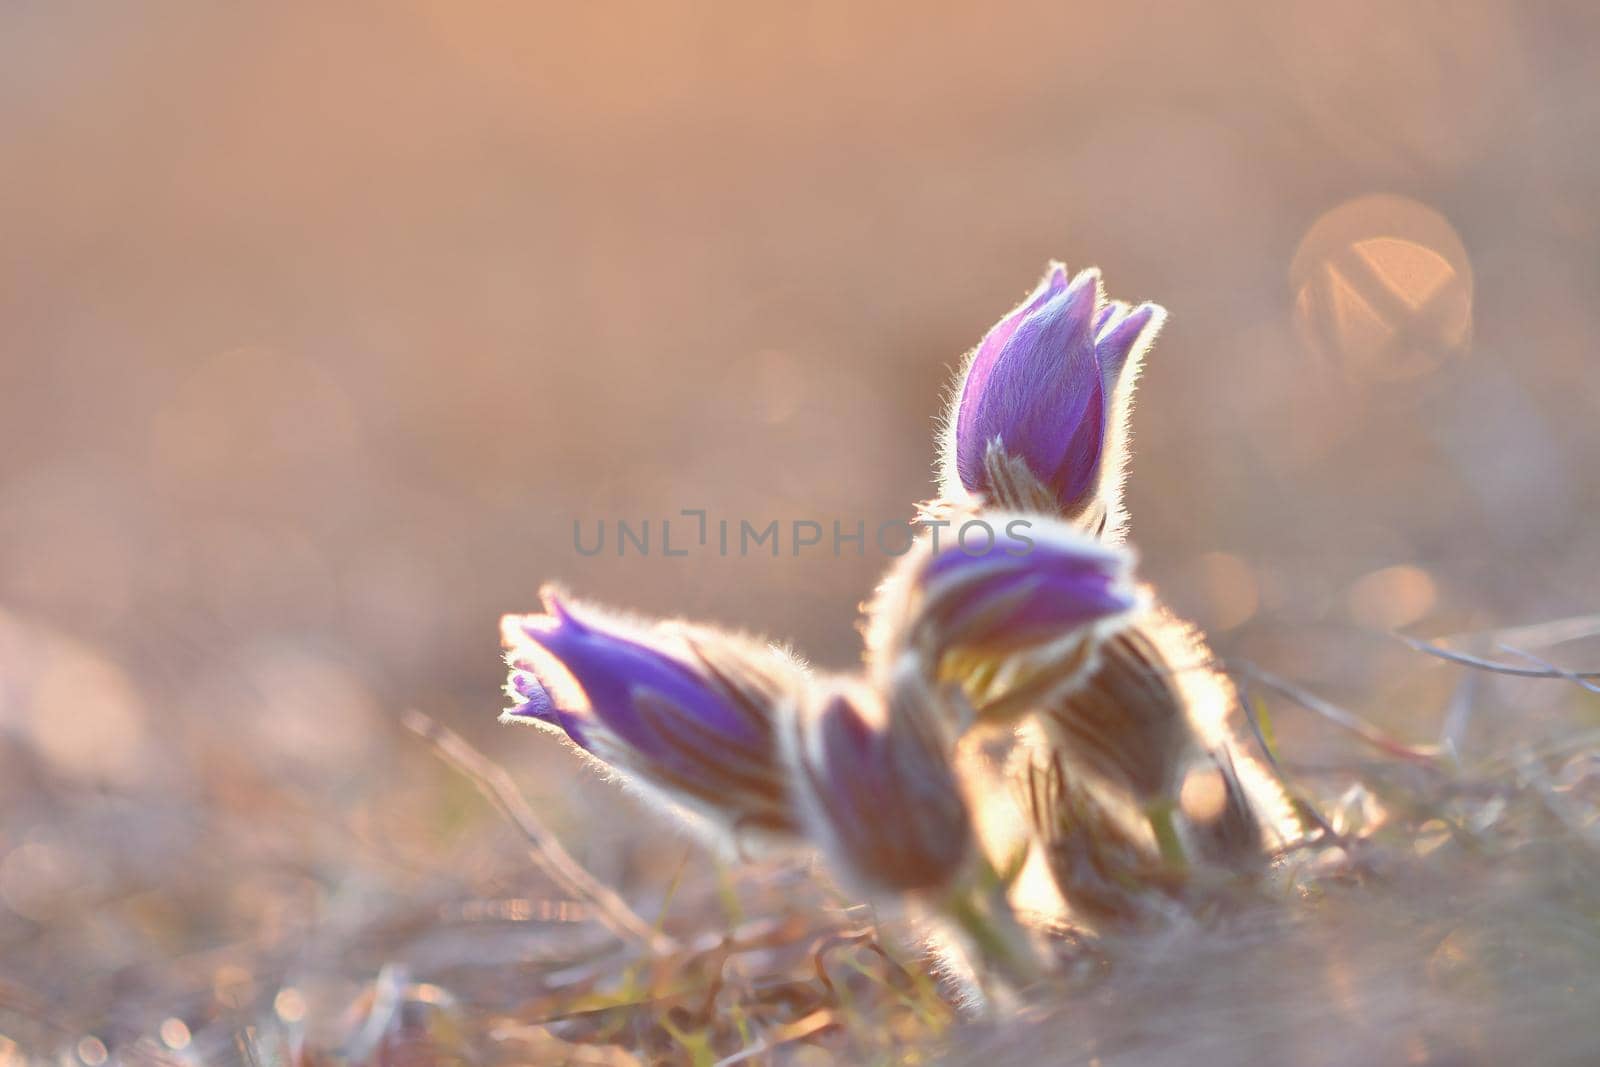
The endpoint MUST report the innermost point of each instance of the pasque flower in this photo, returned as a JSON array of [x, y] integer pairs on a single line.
[[873, 773], [1015, 611], [1128, 722], [681, 712], [875, 778], [1098, 849], [1024, 614], [1039, 420], [1151, 718]]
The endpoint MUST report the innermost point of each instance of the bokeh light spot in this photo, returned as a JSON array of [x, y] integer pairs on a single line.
[[1230, 585], [289, 1005], [1383, 289], [1392, 597], [1203, 796], [86, 715], [175, 1034]]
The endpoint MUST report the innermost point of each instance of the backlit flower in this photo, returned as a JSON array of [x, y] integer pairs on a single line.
[[1039, 421], [875, 779], [682, 712], [1021, 606]]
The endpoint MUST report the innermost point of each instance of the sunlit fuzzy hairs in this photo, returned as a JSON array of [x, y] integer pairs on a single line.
[[682, 714], [1038, 416], [1099, 849], [1152, 723]]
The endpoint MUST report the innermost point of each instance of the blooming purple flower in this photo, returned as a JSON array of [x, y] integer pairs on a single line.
[[681, 711], [1048, 388], [881, 794]]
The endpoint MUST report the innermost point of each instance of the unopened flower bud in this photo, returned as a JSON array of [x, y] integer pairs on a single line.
[[1128, 721], [1039, 421], [884, 801], [681, 712], [1098, 848], [1152, 720], [881, 797], [1012, 617]]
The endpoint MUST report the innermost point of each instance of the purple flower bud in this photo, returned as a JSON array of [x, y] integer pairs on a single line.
[[1016, 610], [1048, 390], [881, 796], [1033, 582], [683, 711]]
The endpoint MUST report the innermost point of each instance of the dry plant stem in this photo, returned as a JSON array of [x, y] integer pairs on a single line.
[[788, 1034], [1458, 713], [1304, 808], [496, 785], [1452, 656], [1535, 635], [1532, 777], [984, 916], [1576, 679], [1424, 754]]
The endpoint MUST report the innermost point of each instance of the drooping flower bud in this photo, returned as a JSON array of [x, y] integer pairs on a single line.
[[1012, 613], [1152, 721], [875, 780], [1039, 421], [1128, 721], [1098, 848], [683, 713], [874, 775]]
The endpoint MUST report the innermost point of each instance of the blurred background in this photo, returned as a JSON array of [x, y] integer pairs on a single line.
[[320, 327]]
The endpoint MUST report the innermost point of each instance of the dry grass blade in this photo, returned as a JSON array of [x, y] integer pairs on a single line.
[[1452, 656], [1306, 810], [1576, 679], [1578, 823], [1355, 724], [1534, 635], [1458, 713], [798, 1030], [496, 785]]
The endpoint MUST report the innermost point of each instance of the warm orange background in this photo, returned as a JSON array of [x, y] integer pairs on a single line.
[[319, 327]]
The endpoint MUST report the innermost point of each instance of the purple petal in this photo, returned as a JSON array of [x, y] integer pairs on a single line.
[[1054, 603], [1054, 588], [983, 361], [889, 798], [612, 670], [536, 702], [1041, 397], [1110, 315], [1117, 340]]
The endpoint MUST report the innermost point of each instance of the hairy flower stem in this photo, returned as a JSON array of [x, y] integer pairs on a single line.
[[1164, 826], [985, 918]]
